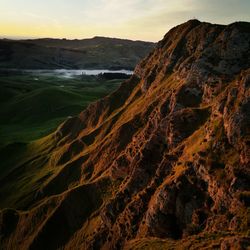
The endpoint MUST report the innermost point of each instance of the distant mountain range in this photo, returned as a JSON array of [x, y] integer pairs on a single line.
[[94, 53]]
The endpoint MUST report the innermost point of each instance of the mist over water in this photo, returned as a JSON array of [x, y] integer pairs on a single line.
[[71, 73]]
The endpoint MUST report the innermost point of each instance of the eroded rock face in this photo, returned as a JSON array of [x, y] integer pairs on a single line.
[[166, 155]]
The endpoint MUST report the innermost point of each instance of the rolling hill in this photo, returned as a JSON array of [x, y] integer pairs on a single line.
[[95, 53], [32, 106], [161, 163]]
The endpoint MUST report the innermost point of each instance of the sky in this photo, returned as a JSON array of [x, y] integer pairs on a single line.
[[145, 20]]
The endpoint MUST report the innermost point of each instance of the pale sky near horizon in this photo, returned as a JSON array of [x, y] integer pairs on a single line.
[[133, 19]]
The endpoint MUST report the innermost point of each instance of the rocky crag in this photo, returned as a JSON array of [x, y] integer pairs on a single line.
[[162, 163]]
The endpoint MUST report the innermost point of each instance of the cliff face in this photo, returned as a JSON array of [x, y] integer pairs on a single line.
[[163, 161]]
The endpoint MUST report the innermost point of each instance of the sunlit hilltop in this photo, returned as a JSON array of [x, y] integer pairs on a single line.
[[134, 19]]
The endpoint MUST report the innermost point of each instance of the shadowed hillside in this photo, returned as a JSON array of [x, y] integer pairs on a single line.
[[33, 106], [95, 53], [161, 163]]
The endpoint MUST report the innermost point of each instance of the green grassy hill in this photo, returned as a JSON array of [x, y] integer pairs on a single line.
[[32, 108]]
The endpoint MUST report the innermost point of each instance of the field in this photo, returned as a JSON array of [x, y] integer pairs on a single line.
[[33, 106]]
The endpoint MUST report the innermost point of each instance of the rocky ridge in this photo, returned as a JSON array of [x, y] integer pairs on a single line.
[[163, 161]]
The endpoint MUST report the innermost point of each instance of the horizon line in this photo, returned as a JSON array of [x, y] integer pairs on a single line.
[[23, 38]]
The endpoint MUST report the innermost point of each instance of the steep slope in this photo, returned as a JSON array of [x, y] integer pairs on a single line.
[[94, 53], [163, 162]]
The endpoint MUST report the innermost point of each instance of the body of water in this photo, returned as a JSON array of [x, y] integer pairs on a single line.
[[71, 73]]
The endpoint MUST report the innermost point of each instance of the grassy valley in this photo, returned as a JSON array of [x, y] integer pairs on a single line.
[[32, 107]]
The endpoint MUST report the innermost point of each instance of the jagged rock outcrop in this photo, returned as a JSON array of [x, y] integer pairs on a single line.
[[165, 156]]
